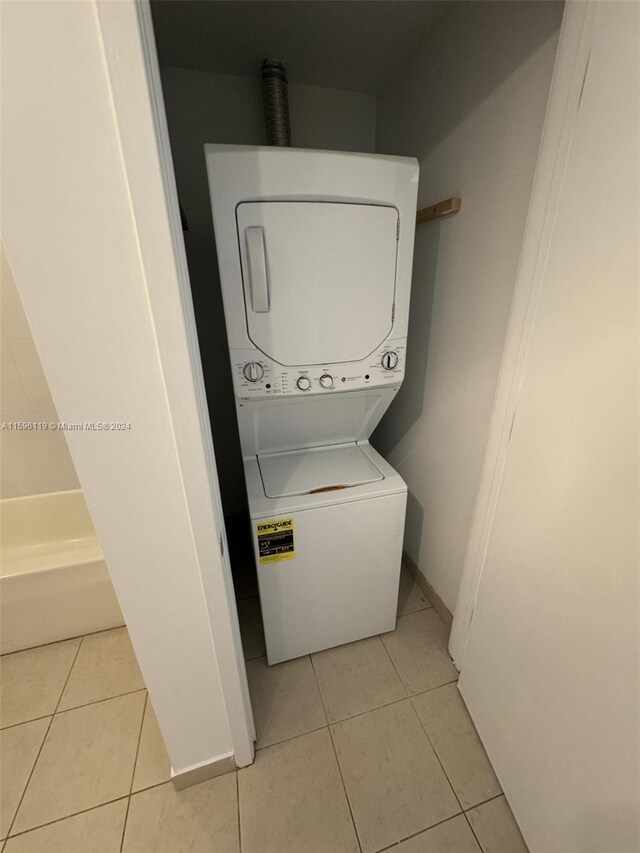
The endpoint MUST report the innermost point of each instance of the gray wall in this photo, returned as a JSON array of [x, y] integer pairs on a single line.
[[205, 107], [471, 108]]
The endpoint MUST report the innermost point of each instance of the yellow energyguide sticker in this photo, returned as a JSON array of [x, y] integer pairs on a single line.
[[275, 540]]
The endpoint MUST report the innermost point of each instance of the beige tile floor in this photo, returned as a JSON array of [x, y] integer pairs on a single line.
[[366, 747]]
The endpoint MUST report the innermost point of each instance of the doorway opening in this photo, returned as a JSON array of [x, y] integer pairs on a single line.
[[419, 79]]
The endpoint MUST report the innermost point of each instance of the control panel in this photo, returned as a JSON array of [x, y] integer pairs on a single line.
[[257, 377]]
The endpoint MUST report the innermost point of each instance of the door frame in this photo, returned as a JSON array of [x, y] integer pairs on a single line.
[[144, 138], [131, 61], [569, 74]]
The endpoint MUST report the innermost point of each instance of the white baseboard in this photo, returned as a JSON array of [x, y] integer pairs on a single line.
[[201, 772]]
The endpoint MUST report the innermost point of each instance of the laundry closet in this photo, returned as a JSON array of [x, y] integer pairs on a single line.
[[462, 87], [415, 330]]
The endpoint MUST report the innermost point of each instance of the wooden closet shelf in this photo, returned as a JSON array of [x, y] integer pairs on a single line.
[[442, 208]]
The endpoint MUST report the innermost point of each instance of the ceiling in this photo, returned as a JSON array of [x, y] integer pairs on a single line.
[[344, 44]]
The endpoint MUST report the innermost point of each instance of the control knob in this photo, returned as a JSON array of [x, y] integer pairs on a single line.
[[253, 371], [303, 383], [389, 360], [326, 380]]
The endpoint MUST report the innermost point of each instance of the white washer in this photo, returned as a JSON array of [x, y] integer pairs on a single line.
[[315, 252], [342, 583]]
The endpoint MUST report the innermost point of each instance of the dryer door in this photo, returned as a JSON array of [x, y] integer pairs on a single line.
[[319, 278]]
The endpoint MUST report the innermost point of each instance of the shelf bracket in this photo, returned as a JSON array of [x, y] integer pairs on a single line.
[[436, 211]]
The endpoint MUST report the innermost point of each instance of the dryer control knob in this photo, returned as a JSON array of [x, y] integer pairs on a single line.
[[253, 371], [326, 380], [389, 360], [303, 383]]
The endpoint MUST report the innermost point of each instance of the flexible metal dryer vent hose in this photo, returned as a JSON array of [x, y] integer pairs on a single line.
[[276, 102]]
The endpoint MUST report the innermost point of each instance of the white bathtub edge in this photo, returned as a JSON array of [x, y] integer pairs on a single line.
[[51, 605]]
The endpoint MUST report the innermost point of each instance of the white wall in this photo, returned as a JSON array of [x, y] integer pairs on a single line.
[[551, 670], [71, 219], [31, 461], [471, 108], [205, 107]]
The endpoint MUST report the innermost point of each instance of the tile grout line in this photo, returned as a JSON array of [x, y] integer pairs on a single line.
[[24, 722], [319, 689], [420, 692], [335, 753], [66, 640], [159, 784], [417, 610], [73, 708], [66, 817], [133, 770], [104, 699], [44, 740], [57, 711], [292, 737], [393, 664], [411, 697], [484, 802], [406, 698], [431, 689], [473, 832], [435, 752], [98, 701], [75, 658], [388, 653], [424, 829], [310, 731], [419, 832], [84, 811], [344, 788], [338, 722]]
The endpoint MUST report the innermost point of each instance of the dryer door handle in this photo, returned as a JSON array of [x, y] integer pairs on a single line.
[[258, 275]]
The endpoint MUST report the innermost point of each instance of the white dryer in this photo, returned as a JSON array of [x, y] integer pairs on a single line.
[[315, 251]]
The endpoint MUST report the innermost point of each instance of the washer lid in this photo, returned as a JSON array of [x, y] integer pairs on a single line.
[[317, 469]]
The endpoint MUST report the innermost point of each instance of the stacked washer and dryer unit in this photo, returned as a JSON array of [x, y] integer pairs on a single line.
[[315, 253]]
